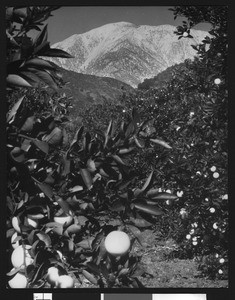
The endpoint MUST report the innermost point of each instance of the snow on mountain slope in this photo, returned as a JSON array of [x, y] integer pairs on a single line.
[[127, 52]]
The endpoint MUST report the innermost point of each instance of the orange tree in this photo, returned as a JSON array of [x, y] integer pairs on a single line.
[[189, 112], [64, 196], [210, 121]]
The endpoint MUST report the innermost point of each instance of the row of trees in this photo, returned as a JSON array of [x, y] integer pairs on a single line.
[[189, 112], [66, 194]]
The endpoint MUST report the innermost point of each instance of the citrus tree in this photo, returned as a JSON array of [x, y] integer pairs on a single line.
[[212, 67], [189, 112], [65, 196]]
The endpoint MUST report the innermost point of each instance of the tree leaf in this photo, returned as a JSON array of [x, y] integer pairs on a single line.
[[65, 165], [136, 232], [109, 129], [141, 223], [130, 129], [85, 244], [110, 171], [39, 62], [16, 80], [28, 124], [90, 277], [86, 176], [93, 267], [86, 141], [139, 143], [43, 146], [38, 216], [148, 182], [121, 185], [35, 209], [123, 272], [81, 220], [45, 77], [55, 137], [26, 145], [91, 165], [138, 192], [64, 205], [75, 189], [13, 271], [125, 150], [148, 209], [39, 284], [74, 228], [55, 227], [108, 133], [152, 192], [32, 79], [41, 39], [38, 275], [136, 283], [53, 52], [44, 237], [118, 160], [164, 196], [160, 142], [46, 189], [117, 206], [18, 155], [77, 136], [12, 113]]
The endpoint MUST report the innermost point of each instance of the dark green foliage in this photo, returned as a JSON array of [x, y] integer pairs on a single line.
[[88, 90], [159, 81], [85, 177], [189, 112], [25, 67], [157, 158]]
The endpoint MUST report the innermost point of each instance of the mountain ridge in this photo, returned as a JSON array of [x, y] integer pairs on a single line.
[[127, 52], [87, 90]]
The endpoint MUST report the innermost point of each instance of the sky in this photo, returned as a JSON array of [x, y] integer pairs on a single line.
[[69, 20]]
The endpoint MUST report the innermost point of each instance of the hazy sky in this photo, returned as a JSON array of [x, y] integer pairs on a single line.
[[69, 20]]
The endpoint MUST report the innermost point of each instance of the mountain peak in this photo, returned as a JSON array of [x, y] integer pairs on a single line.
[[120, 24], [127, 52]]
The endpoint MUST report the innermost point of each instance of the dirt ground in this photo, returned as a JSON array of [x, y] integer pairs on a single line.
[[162, 272], [170, 273]]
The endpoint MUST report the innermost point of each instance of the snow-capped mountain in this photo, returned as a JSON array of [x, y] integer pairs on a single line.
[[127, 52]]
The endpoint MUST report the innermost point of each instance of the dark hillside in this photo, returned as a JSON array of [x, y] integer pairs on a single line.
[[89, 90], [162, 78]]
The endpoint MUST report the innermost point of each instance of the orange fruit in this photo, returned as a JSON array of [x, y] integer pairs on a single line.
[[117, 243], [52, 275], [65, 282], [20, 256], [19, 281], [217, 81]]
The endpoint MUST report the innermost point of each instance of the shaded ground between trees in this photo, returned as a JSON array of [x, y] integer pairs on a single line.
[[162, 272], [170, 273]]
